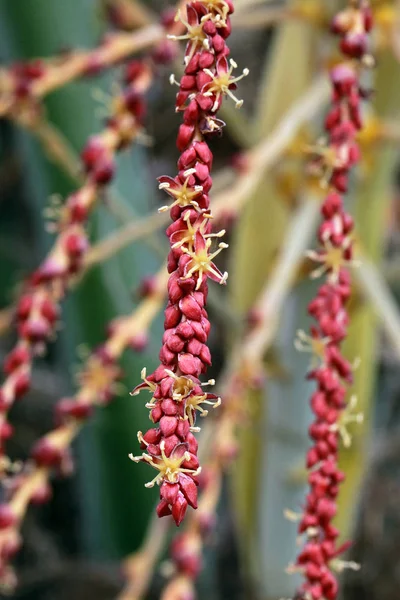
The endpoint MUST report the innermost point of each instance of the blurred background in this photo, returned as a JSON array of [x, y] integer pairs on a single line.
[[74, 544]]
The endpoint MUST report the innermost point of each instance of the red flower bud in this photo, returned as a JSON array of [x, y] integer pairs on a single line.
[[47, 454], [179, 508], [7, 516]]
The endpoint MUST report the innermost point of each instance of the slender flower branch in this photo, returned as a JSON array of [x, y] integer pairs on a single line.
[[55, 146], [138, 568], [333, 373], [51, 453], [26, 84], [123, 237], [311, 12], [6, 318], [177, 392], [38, 307], [61, 153]]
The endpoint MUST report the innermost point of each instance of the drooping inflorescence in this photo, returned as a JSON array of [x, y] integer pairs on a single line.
[[177, 392], [38, 307], [332, 372]]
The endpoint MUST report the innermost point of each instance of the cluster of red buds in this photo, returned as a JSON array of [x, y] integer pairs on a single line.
[[38, 307], [23, 76], [330, 370], [23, 85], [97, 385], [177, 392], [353, 26], [187, 547], [51, 454]]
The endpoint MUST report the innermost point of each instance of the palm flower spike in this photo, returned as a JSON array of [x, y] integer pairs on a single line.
[[318, 561], [178, 398]]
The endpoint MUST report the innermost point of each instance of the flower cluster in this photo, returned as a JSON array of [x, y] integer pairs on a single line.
[[177, 392], [330, 370], [23, 85], [97, 384], [52, 453], [38, 307]]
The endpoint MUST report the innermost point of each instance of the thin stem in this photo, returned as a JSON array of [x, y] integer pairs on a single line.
[[262, 18], [390, 131], [244, 4], [298, 238], [57, 147], [380, 297], [6, 317], [123, 237], [133, 13], [395, 37], [139, 567], [119, 47]]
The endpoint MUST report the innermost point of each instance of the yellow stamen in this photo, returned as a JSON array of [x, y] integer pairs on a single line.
[[184, 194], [316, 346], [202, 262], [348, 416], [332, 259], [221, 83], [169, 467]]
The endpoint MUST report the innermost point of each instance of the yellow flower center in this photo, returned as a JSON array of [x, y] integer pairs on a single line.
[[182, 387], [221, 83], [184, 194], [314, 345], [168, 467], [98, 376]]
